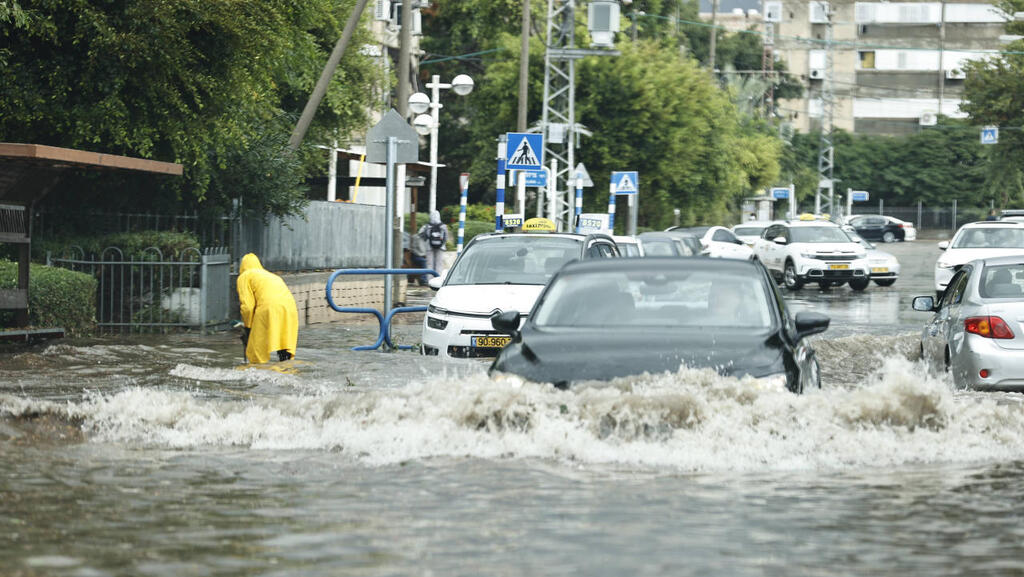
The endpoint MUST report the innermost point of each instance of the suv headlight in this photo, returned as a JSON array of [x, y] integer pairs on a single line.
[[436, 310], [808, 255], [436, 323]]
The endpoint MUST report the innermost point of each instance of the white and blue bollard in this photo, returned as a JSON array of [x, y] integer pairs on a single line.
[[611, 208], [579, 201], [464, 181]]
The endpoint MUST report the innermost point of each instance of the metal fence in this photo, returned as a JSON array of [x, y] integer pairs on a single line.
[[211, 231], [146, 292], [938, 218]]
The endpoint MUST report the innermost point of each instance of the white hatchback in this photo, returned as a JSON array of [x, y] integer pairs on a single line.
[[977, 240], [718, 241], [495, 273]]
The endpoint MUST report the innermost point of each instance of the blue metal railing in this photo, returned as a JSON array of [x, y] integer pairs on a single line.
[[384, 337]]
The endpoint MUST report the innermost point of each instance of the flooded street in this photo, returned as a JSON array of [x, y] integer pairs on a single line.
[[158, 456]]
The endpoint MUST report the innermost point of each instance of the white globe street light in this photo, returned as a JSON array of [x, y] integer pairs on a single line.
[[419, 102], [424, 124], [462, 84]]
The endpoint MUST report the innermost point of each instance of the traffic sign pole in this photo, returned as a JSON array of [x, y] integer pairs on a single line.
[[611, 207], [792, 201], [464, 181]]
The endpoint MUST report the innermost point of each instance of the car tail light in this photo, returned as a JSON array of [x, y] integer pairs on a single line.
[[988, 327], [983, 373]]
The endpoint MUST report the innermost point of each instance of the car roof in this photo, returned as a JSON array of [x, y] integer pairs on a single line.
[[661, 263], [624, 239], [697, 230], [654, 235], [680, 233], [1001, 260], [803, 223], [994, 223], [755, 223]]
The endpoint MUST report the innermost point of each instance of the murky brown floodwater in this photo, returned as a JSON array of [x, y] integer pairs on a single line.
[[157, 456]]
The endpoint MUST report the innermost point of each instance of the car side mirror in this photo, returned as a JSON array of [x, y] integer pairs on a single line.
[[506, 322], [808, 323], [435, 283], [944, 245], [925, 304], [738, 241], [779, 240]]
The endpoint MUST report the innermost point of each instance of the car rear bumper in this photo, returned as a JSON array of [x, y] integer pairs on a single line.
[[1005, 366]]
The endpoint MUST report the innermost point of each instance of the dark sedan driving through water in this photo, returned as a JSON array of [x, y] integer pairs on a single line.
[[600, 320]]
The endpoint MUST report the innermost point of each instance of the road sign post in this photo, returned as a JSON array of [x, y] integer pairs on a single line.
[[628, 183], [990, 135], [853, 196]]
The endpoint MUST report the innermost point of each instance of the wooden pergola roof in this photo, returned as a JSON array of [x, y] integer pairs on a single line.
[[29, 171]]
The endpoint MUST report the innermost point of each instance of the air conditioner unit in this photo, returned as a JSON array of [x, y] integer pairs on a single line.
[[417, 20], [773, 11], [818, 12], [382, 10], [928, 119], [817, 74], [956, 74]]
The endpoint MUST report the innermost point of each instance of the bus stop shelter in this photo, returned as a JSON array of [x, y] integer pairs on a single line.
[[27, 173]]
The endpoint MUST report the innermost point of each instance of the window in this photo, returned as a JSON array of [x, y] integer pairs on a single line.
[[867, 60], [1002, 281], [723, 236]]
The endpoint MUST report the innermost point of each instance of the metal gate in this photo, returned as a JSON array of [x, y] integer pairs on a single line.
[[146, 292]]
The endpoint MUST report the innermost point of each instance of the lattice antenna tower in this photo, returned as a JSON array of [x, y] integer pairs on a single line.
[[559, 116], [826, 152]]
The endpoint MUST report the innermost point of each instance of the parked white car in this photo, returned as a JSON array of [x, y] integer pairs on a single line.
[[885, 268], [718, 241], [498, 272], [750, 231], [974, 241], [802, 251], [629, 246]]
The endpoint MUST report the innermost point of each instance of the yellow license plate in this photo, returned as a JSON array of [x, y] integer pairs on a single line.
[[838, 267], [879, 269], [491, 342]]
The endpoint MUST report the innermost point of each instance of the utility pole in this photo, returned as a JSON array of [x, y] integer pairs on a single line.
[[559, 116], [404, 57], [826, 150], [942, 57], [714, 35], [325, 77], [524, 66]]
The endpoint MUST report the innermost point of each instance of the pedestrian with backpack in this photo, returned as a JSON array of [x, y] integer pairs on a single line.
[[435, 233]]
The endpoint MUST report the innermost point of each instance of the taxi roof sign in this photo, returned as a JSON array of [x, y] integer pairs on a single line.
[[539, 225]]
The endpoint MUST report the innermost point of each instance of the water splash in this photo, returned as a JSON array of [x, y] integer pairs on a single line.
[[691, 420]]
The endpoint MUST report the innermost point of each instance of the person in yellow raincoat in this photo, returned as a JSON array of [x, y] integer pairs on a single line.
[[268, 312]]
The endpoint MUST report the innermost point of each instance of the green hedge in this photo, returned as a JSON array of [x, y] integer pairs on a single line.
[[171, 244], [56, 297]]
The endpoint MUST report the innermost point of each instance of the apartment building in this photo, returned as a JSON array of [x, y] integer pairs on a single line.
[[896, 65]]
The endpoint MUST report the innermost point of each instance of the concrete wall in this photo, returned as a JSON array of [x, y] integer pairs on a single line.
[[354, 291], [331, 235]]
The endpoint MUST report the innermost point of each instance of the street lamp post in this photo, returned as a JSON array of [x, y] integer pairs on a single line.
[[427, 124]]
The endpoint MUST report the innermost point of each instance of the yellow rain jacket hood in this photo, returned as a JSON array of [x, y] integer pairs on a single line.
[[268, 310]]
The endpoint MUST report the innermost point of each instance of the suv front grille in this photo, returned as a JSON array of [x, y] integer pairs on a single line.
[[835, 257]]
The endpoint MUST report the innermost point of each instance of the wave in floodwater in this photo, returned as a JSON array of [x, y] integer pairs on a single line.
[[691, 420]]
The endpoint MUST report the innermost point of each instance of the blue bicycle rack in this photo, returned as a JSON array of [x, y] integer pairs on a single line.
[[384, 337]]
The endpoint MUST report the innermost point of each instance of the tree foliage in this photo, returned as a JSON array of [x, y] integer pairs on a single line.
[[215, 86]]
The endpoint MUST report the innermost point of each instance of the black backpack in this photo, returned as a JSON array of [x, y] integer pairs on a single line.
[[436, 235]]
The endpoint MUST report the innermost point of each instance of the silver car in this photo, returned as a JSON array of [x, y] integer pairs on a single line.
[[977, 332]]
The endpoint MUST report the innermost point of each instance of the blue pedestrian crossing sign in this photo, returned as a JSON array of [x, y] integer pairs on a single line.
[[990, 135], [625, 182], [524, 151]]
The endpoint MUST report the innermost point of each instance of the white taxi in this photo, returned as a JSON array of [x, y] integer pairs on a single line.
[[499, 272]]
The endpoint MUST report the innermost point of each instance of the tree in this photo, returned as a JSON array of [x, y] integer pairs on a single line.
[[211, 85], [994, 95]]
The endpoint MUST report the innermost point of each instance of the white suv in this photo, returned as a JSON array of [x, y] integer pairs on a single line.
[[976, 240], [798, 252]]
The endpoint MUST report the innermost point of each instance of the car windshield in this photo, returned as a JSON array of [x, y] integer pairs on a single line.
[[628, 249], [817, 234], [675, 299], [748, 230], [989, 237], [1002, 281], [659, 248], [516, 259]]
